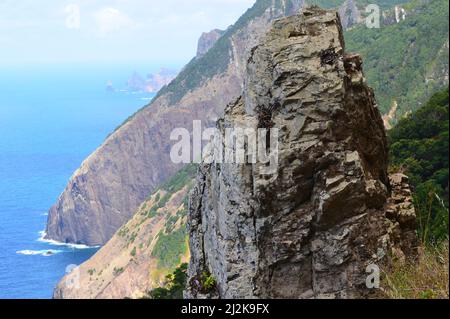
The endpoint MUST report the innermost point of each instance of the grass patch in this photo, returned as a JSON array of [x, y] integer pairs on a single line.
[[170, 247], [428, 278], [180, 179]]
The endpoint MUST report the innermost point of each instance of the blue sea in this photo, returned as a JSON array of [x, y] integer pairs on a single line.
[[51, 119]]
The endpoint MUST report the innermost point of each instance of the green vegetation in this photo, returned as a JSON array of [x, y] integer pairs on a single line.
[[398, 59], [123, 231], [181, 179], [329, 4], [170, 247], [153, 211], [171, 222], [419, 147], [174, 287], [204, 283], [133, 237], [174, 185], [171, 243], [117, 271], [91, 272], [208, 281], [326, 4], [163, 201]]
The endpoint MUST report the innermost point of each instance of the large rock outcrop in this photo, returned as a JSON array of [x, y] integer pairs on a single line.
[[310, 229]]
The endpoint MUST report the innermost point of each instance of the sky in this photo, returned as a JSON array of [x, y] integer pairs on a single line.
[[153, 32]]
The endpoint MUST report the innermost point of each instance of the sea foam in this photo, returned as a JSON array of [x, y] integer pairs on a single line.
[[52, 242], [45, 253]]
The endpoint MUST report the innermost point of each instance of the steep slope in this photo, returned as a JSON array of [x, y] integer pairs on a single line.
[[419, 147], [139, 256], [406, 62], [110, 185], [312, 227]]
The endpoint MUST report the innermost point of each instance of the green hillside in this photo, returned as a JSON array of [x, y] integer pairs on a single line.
[[399, 59], [419, 147], [329, 4]]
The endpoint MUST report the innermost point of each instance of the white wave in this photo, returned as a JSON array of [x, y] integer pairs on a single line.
[[52, 242], [45, 253]]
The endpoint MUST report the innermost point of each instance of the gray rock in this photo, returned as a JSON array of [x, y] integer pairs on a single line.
[[311, 229]]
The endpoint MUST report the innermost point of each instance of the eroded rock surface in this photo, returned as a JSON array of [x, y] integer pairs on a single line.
[[311, 229]]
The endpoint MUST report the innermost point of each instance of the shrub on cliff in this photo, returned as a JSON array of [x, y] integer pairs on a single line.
[[173, 289]]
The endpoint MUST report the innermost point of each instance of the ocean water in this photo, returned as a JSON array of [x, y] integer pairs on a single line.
[[51, 119]]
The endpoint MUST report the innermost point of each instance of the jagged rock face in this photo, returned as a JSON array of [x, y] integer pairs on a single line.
[[111, 184], [311, 229], [207, 41]]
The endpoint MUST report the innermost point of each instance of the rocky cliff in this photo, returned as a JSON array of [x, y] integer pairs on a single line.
[[141, 253], [330, 210], [207, 41]]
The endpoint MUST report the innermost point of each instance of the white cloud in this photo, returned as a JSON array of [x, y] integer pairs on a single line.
[[147, 31], [110, 20]]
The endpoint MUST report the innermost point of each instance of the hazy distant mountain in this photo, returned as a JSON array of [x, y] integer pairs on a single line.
[[207, 41], [152, 83]]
